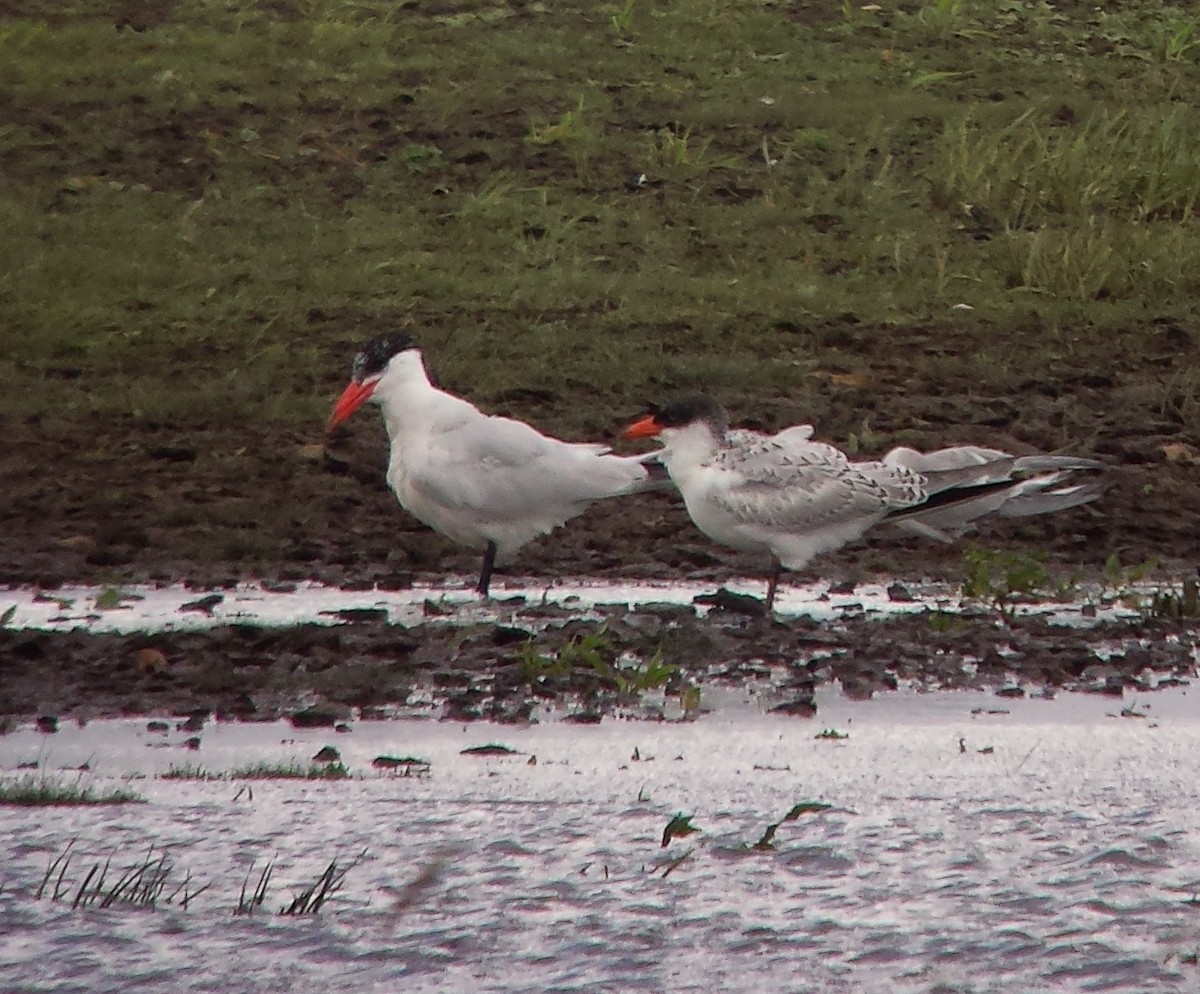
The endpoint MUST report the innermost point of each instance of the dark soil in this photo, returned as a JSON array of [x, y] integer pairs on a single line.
[[504, 671]]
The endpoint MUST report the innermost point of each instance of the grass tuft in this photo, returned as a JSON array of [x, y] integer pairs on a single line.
[[43, 790], [264, 770]]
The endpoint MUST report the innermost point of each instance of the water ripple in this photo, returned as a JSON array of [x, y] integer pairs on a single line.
[[924, 877]]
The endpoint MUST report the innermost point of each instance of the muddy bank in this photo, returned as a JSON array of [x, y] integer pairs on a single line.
[[621, 662]]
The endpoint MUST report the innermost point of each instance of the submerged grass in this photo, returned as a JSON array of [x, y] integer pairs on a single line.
[[43, 790], [263, 770], [153, 880], [207, 205]]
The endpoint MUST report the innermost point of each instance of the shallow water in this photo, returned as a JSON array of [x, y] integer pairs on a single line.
[[1060, 860], [178, 607]]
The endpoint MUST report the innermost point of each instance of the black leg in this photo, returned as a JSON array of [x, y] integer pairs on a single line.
[[776, 569], [485, 574]]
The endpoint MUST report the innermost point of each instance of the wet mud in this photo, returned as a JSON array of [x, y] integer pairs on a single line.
[[151, 503], [653, 661]]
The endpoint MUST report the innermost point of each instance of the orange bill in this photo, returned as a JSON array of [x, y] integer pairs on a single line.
[[352, 398], [648, 427]]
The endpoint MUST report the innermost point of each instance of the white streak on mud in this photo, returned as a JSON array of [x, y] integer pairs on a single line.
[[143, 609]]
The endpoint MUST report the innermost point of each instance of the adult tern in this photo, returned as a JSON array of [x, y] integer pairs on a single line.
[[486, 482], [795, 498]]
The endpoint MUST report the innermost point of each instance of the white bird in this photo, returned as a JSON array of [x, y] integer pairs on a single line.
[[486, 482], [795, 498]]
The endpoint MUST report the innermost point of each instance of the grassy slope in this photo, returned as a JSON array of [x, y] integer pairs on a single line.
[[208, 205]]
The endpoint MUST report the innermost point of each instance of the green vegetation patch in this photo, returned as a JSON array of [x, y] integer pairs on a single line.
[[44, 790], [263, 770], [205, 205]]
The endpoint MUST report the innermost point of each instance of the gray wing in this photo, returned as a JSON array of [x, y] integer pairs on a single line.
[[1037, 484], [791, 483]]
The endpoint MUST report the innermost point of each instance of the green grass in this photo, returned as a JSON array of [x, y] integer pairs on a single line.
[[206, 215], [260, 771], [43, 790]]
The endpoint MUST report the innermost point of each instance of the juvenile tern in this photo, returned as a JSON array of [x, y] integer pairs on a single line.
[[795, 498]]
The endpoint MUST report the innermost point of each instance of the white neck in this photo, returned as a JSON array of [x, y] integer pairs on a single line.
[[410, 403], [403, 391], [686, 448]]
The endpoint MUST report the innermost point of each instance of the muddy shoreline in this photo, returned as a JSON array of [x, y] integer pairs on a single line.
[[162, 508], [651, 661]]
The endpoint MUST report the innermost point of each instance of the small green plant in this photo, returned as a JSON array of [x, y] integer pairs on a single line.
[[943, 621], [1118, 581], [831, 735], [623, 18], [637, 679], [1184, 36], [109, 599], [1176, 604], [1002, 579], [593, 652], [573, 126], [291, 771], [190, 771], [676, 154], [690, 699], [42, 790], [260, 771], [538, 667], [680, 826], [767, 840], [421, 158], [942, 15]]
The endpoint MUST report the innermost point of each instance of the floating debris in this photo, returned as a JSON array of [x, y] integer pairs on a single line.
[[204, 605], [491, 749], [408, 765]]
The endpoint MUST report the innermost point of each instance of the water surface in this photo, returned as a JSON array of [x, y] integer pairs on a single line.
[[1050, 848]]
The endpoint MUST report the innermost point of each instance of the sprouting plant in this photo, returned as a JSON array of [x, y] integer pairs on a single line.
[[678, 827], [943, 621], [1181, 603], [593, 652], [43, 790], [536, 667], [942, 15], [637, 679], [690, 698], [622, 20], [571, 127], [1182, 40], [1002, 578], [766, 841], [310, 900], [1117, 581], [420, 158], [674, 148], [677, 153], [109, 599], [831, 734], [247, 906]]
